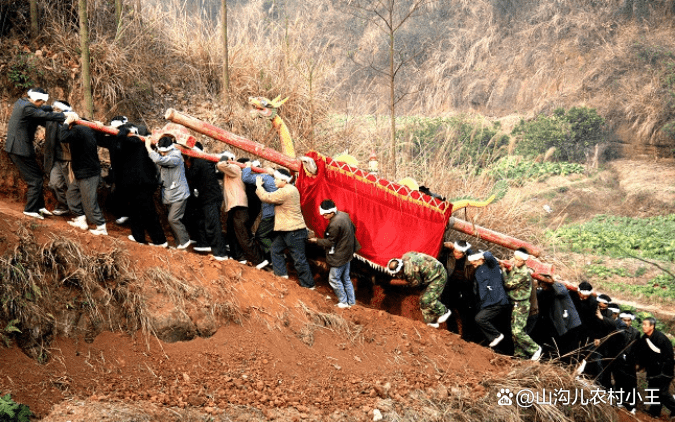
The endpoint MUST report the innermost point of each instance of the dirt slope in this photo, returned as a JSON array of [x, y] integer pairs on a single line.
[[292, 348]]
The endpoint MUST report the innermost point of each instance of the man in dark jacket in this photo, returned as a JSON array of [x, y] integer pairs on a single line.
[[82, 192], [625, 376], [458, 294], [57, 159], [559, 321], [655, 356], [201, 177], [118, 200], [27, 114], [137, 175], [493, 299], [340, 243]]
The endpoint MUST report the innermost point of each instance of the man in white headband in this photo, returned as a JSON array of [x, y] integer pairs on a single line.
[[339, 241], [458, 294], [655, 356], [27, 114], [518, 285], [243, 247], [174, 187], [289, 226], [422, 270], [493, 300], [57, 160], [625, 375], [119, 198]]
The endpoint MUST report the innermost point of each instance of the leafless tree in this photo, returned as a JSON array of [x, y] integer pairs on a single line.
[[390, 17], [226, 60]]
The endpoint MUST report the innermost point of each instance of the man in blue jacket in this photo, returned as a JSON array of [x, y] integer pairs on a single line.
[[27, 114], [492, 296]]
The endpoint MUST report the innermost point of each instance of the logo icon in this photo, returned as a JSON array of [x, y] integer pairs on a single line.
[[505, 395]]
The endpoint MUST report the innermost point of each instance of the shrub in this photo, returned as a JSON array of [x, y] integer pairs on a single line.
[[12, 411], [571, 133], [519, 170], [22, 72]]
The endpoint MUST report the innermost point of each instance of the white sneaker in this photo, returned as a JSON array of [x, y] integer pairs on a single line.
[[221, 258], [161, 245], [284, 276], [342, 305], [122, 220], [60, 211], [433, 324], [497, 340], [99, 230], [243, 262], [34, 215], [184, 245], [537, 355], [444, 317], [45, 211], [202, 249], [262, 264], [79, 222], [132, 238], [632, 412]]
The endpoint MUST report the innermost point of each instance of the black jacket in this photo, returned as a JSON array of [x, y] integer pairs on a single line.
[[201, 175], [655, 354], [53, 149], [134, 166], [83, 149], [23, 123], [339, 240], [556, 304]]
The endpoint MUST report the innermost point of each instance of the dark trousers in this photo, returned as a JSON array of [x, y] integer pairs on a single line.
[[213, 230], [193, 220], [625, 379], [484, 319], [31, 173], [143, 215], [662, 384], [263, 235], [295, 242], [242, 244], [118, 201]]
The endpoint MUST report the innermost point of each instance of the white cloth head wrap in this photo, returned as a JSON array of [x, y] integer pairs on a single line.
[[462, 249], [37, 96], [476, 256], [521, 255], [398, 266], [279, 175], [62, 107]]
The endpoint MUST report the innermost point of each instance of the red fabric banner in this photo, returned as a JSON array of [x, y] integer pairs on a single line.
[[390, 219]]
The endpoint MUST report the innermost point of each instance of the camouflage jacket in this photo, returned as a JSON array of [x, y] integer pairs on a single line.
[[421, 269], [518, 283]]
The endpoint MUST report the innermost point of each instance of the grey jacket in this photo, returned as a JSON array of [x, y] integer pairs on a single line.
[[22, 125], [172, 174]]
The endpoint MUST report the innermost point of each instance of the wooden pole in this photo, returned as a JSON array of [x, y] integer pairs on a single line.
[[236, 141]]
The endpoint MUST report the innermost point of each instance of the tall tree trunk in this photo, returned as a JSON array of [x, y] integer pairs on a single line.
[[226, 60], [33, 20], [84, 47], [392, 103]]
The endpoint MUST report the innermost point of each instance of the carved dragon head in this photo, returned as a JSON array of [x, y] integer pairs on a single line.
[[262, 107]]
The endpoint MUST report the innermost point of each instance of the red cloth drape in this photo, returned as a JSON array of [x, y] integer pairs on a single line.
[[390, 219]]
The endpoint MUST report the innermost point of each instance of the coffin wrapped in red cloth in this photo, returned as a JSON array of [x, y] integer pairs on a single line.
[[390, 219]]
